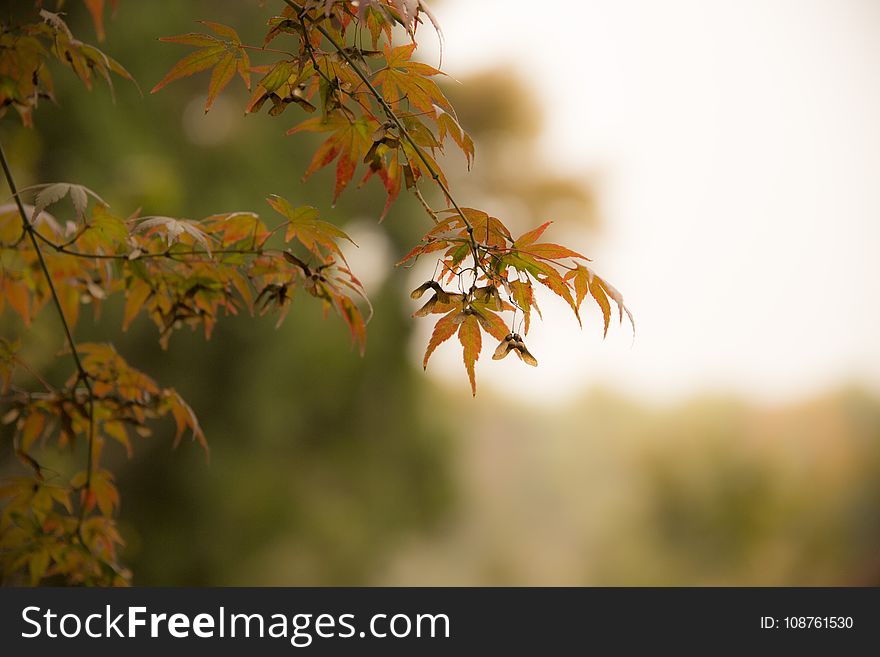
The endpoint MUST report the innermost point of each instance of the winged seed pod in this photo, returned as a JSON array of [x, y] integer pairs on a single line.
[[513, 342]]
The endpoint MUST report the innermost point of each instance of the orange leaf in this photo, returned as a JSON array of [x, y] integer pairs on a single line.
[[443, 330], [599, 295], [196, 62], [16, 295], [221, 76], [471, 341], [548, 251], [138, 292], [532, 236], [492, 324]]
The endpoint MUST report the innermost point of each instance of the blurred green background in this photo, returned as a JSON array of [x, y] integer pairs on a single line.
[[329, 469]]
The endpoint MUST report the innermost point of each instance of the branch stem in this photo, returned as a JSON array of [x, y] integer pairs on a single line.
[[71, 343]]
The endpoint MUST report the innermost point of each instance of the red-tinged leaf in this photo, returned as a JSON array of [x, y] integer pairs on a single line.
[[391, 178], [138, 293], [422, 249], [96, 9], [581, 277], [196, 62], [471, 341], [220, 77], [244, 68], [349, 141], [353, 319], [532, 236], [345, 168], [443, 330]]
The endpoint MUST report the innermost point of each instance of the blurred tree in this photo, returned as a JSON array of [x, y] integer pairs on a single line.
[[320, 462]]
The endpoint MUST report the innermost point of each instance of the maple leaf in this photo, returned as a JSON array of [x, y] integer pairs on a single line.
[[524, 296], [471, 341], [349, 141], [402, 79], [174, 229], [225, 55], [96, 9], [447, 124], [526, 244], [52, 193], [310, 231], [444, 329], [586, 281]]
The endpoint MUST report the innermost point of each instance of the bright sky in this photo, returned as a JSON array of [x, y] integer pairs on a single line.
[[738, 147]]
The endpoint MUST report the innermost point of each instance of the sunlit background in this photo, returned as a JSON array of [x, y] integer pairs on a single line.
[[734, 149], [720, 162]]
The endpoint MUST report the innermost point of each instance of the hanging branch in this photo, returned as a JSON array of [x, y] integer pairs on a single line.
[[82, 374]]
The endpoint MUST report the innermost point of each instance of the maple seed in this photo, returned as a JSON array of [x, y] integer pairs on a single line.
[[513, 342], [424, 287]]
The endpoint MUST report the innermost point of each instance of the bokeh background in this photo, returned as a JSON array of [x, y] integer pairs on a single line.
[[720, 162]]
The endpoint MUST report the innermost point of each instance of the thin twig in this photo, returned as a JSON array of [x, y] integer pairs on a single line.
[[82, 374]]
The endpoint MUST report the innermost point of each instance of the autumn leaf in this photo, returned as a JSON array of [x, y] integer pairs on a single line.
[[174, 229], [447, 124], [349, 141], [587, 282], [310, 231], [471, 341], [226, 56], [52, 193], [403, 79], [137, 294], [531, 236], [524, 296], [96, 9], [443, 330]]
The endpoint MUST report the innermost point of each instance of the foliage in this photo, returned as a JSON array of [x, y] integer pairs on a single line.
[[380, 114]]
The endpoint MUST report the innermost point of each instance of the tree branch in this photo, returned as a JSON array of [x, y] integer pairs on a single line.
[[392, 116], [82, 374]]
